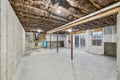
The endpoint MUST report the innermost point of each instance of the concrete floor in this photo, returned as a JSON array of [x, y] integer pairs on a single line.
[[46, 64]]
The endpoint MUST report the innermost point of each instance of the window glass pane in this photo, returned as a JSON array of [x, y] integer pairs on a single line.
[[82, 40], [76, 40], [94, 42], [99, 42], [97, 38], [99, 34], [94, 34], [69, 40]]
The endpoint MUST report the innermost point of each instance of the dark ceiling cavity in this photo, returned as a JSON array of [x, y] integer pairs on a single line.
[[62, 3]]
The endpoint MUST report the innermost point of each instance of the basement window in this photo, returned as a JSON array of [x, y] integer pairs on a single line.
[[82, 40], [76, 41], [96, 38]]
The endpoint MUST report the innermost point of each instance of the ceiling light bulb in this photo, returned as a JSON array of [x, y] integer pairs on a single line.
[[69, 30], [39, 30], [58, 11]]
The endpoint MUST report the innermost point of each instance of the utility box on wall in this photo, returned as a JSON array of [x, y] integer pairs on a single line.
[[110, 49]]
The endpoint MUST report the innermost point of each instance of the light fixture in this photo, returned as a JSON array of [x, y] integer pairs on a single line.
[[59, 10], [39, 30], [69, 30]]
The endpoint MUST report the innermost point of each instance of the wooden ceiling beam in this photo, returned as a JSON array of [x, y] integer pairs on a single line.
[[39, 2], [99, 15], [35, 11], [39, 24], [43, 28], [22, 15], [33, 27], [33, 21], [16, 1], [38, 21], [62, 20], [83, 27], [95, 4]]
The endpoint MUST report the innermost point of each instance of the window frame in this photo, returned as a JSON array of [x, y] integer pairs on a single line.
[[81, 39], [77, 41], [97, 38]]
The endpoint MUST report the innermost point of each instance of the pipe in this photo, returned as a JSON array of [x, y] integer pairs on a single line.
[[98, 14]]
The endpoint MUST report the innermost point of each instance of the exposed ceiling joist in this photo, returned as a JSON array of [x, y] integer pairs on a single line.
[[39, 20], [35, 11], [39, 2], [95, 4], [84, 20], [31, 17], [51, 14], [36, 21]]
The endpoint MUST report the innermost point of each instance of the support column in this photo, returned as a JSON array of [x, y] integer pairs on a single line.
[[50, 41], [118, 46], [57, 42], [71, 43]]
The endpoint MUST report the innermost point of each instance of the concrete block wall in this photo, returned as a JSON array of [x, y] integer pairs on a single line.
[[67, 44], [53, 44], [93, 49], [61, 37], [110, 40], [30, 43], [109, 35], [110, 49], [12, 41]]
